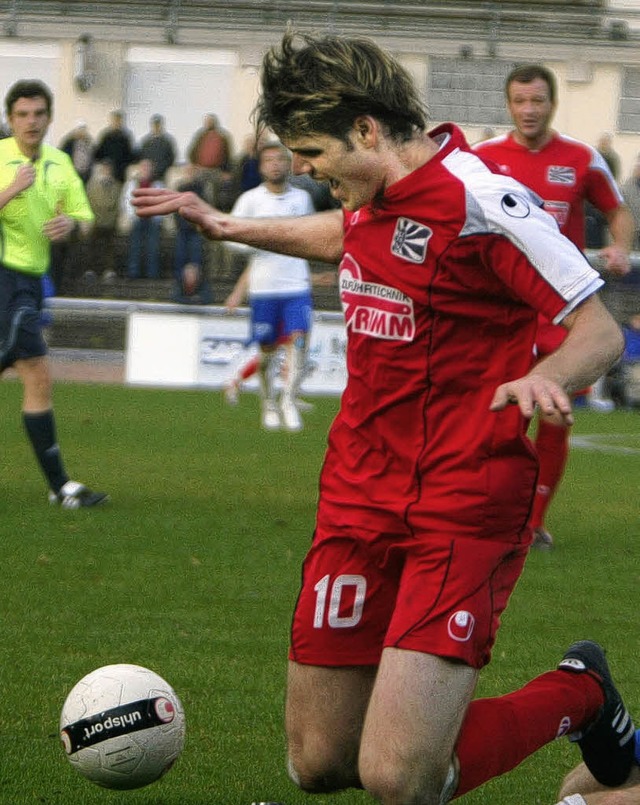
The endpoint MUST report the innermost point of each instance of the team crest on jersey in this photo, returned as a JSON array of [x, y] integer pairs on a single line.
[[461, 625], [556, 174], [559, 210], [515, 206], [410, 240], [372, 308]]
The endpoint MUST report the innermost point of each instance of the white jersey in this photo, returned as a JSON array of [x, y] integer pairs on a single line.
[[273, 274]]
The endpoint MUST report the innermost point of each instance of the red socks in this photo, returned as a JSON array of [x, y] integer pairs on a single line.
[[499, 733], [250, 368], [552, 447]]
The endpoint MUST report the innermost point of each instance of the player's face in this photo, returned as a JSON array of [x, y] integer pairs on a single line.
[[531, 110], [354, 173], [29, 121], [275, 165]]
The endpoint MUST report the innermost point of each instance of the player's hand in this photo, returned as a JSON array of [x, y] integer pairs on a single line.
[[531, 392], [24, 178], [208, 220], [58, 228], [150, 201], [616, 260], [233, 301]]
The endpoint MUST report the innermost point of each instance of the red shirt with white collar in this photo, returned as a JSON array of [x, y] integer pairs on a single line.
[[441, 281], [564, 173]]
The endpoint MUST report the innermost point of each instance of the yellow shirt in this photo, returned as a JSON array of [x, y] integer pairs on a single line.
[[57, 189]]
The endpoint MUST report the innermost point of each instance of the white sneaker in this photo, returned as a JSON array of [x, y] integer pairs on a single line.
[[603, 406], [270, 415], [290, 414], [304, 405], [74, 495]]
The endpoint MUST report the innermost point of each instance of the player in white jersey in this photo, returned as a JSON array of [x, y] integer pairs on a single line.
[[278, 288]]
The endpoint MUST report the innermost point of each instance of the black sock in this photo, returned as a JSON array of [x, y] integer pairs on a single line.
[[41, 429]]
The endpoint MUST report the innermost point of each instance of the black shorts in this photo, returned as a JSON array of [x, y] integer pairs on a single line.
[[20, 326]]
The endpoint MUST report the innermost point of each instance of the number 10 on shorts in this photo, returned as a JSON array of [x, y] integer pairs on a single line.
[[340, 603]]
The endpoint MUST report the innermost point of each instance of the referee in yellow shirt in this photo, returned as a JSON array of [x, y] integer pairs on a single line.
[[41, 198]]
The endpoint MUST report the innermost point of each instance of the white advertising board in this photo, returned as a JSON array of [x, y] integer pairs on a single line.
[[206, 350]]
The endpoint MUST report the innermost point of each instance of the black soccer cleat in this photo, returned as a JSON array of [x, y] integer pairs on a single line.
[[74, 495], [608, 744]]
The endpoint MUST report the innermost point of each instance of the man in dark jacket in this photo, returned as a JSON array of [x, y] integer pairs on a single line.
[[116, 144], [159, 147]]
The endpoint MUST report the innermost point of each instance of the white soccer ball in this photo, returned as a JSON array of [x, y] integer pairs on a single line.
[[122, 726]]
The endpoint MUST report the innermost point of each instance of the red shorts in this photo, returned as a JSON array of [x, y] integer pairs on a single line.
[[438, 595]]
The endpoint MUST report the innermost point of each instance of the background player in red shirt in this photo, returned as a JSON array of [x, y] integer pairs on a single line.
[[564, 173], [424, 499]]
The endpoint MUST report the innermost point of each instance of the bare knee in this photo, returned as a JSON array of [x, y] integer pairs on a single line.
[[320, 767], [394, 780]]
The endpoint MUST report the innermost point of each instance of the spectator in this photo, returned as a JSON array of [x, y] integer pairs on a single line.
[[211, 146], [488, 133], [595, 221], [631, 193], [41, 199], [193, 287], [188, 250], [320, 193], [144, 234], [623, 380], [246, 168], [210, 149], [611, 157], [103, 192], [278, 287], [564, 173], [115, 143], [78, 144], [159, 147]]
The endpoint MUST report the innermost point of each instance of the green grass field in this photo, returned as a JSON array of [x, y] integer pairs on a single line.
[[193, 568]]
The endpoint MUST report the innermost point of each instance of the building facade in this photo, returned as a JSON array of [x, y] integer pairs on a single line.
[[186, 58]]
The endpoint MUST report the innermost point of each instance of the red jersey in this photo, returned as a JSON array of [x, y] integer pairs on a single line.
[[564, 173], [440, 283]]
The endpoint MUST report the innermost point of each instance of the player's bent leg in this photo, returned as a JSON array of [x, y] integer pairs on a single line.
[[552, 446], [580, 779], [617, 797], [325, 710], [414, 717], [608, 743]]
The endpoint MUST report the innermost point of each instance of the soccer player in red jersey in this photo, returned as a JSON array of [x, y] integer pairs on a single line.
[[422, 525], [564, 173]]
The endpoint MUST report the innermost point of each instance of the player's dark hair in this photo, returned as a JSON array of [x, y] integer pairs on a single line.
[[321, 85], [28, 89], [526, 73]]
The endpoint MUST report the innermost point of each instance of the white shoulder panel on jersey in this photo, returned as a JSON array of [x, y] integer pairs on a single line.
[[500, 205]]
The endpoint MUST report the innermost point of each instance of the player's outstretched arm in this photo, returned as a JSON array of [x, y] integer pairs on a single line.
[[312, 237], [593, 345]]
